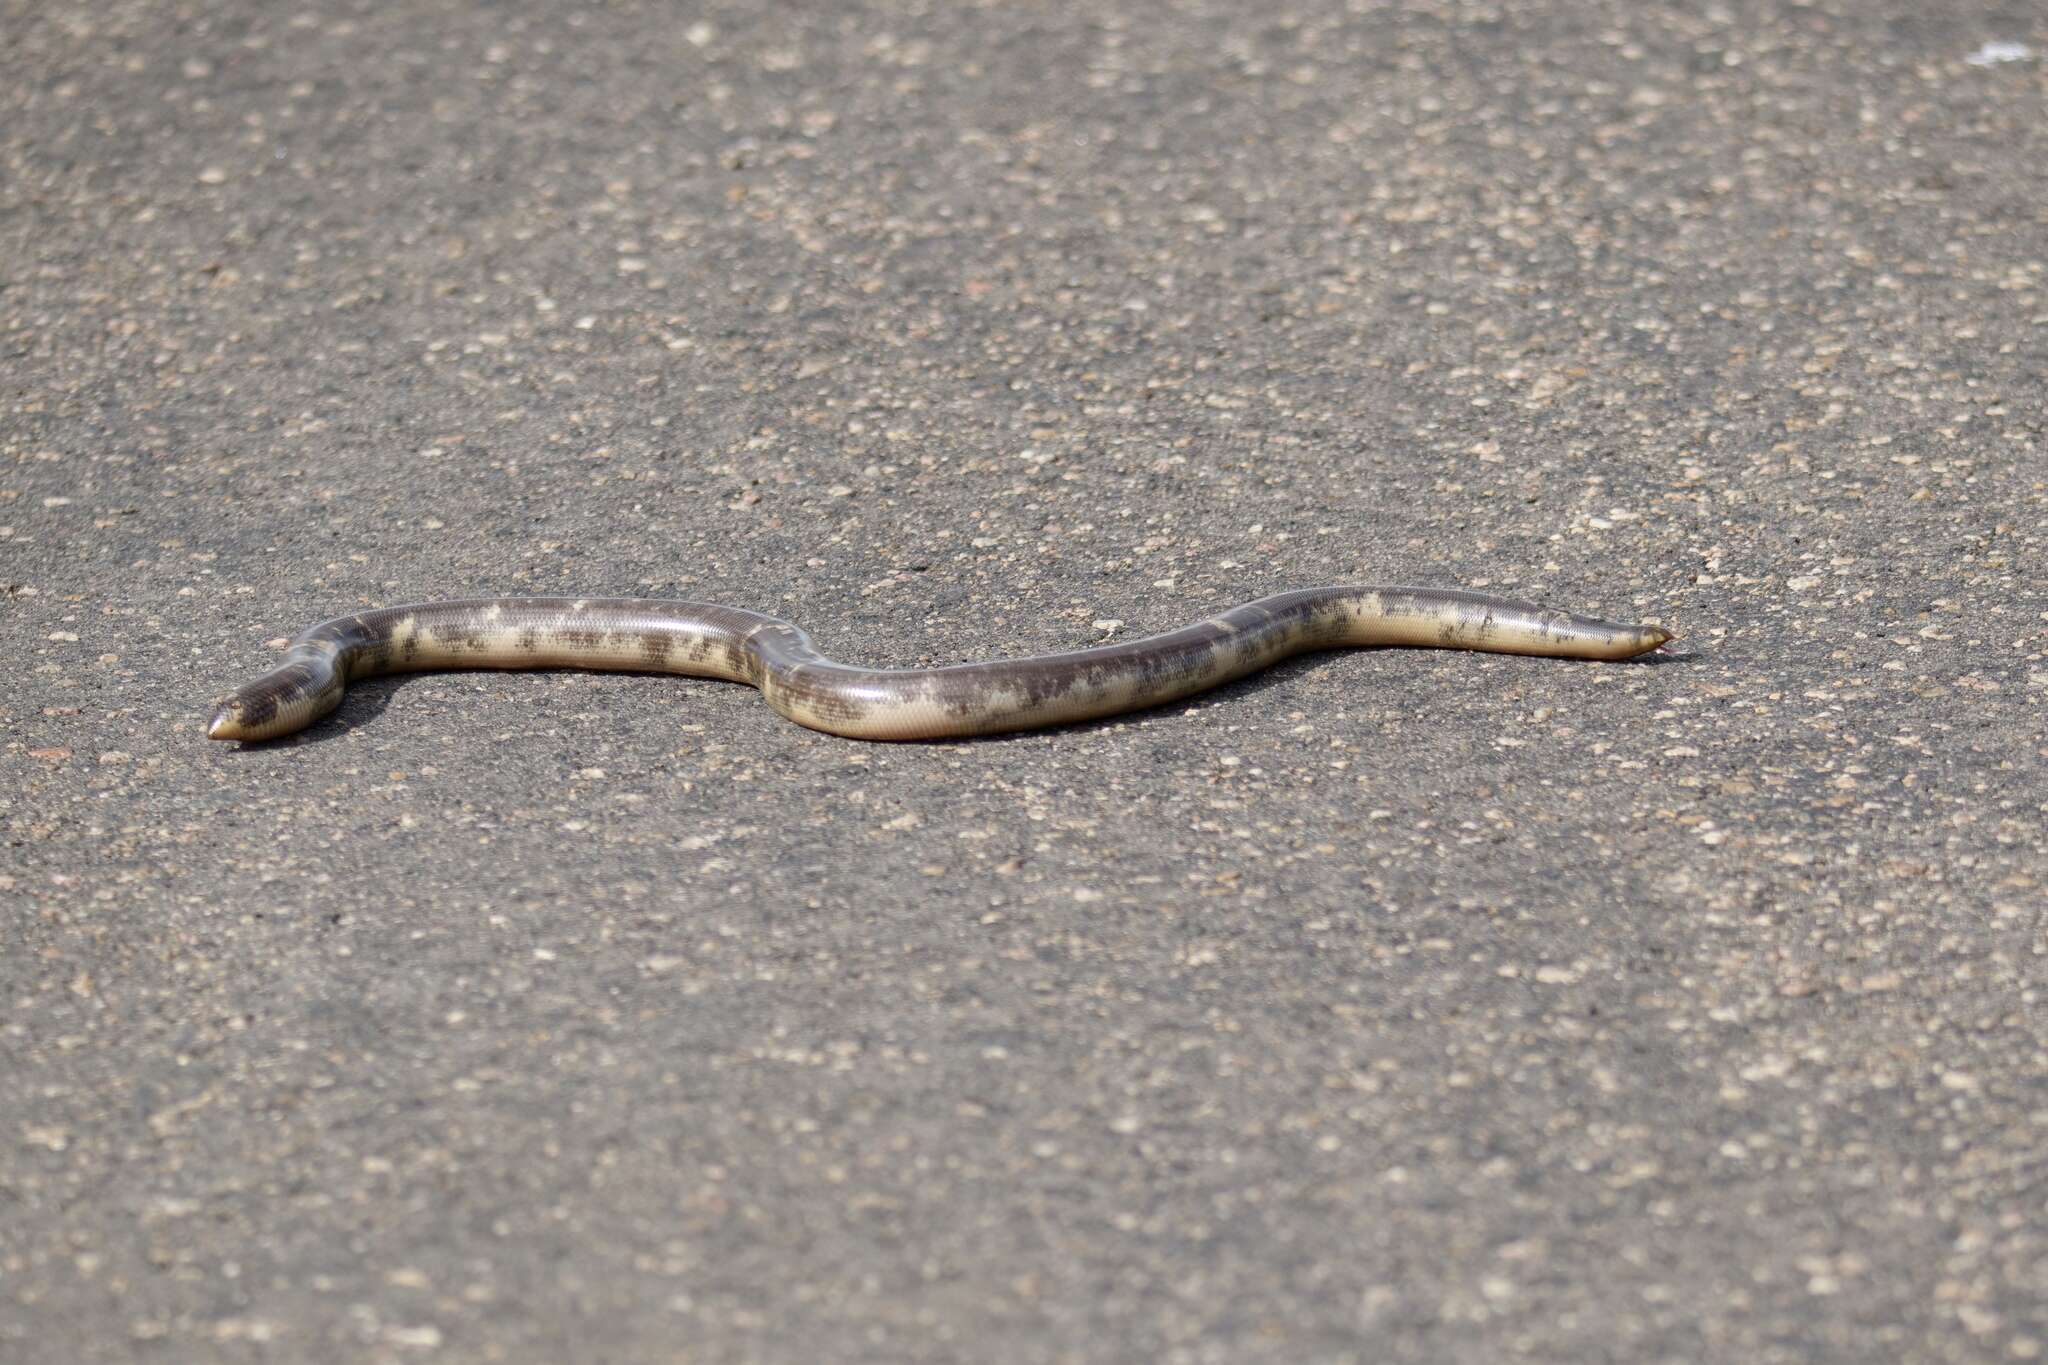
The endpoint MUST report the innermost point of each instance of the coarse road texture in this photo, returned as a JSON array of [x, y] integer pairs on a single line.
[[1391, 1006]]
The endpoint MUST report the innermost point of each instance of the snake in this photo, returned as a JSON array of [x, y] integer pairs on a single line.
[[703, 640]]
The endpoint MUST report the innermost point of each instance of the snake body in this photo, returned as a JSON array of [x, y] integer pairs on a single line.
[[699, 639]]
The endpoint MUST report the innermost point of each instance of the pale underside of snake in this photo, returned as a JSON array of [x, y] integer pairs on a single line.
[[698, 639]]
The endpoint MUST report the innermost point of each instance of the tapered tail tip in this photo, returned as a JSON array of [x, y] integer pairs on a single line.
[[225, 724]]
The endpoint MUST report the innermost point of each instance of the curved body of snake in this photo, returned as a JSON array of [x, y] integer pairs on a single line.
[[702, 640]]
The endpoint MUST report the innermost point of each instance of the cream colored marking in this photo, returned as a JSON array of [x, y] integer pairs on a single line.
[[1221, 625], [579, 604], [402, 630], [494, 613]]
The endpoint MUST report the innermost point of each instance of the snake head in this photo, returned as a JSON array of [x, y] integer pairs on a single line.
[[227, 721]]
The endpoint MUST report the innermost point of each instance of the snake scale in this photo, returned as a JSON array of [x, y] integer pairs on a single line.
[[702, 640]]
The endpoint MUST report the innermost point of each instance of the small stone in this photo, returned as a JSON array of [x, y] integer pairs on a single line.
[[423, 1338], [1995, 53]]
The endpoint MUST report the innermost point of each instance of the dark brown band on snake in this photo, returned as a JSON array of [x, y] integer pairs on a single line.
[[701, 640]]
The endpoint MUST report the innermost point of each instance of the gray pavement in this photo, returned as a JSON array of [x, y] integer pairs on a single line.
[[1390, 1006]]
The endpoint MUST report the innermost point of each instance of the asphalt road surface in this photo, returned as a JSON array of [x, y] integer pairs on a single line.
[[1393, 1005]]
